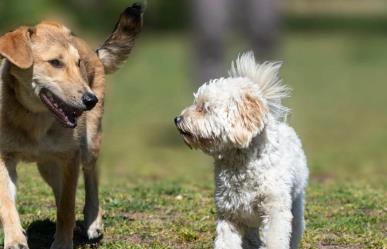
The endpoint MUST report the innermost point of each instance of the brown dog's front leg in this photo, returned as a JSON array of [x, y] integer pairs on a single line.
[[13, 231], [66, 205], [92, 210]]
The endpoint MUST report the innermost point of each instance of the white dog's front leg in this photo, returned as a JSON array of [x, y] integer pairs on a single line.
[[277, 227], [228, 235]]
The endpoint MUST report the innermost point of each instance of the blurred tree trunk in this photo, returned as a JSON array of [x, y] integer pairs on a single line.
[[210, 24], [212, 19], [262, 19]]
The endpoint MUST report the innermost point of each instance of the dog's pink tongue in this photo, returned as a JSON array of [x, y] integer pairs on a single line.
[[57, 111]]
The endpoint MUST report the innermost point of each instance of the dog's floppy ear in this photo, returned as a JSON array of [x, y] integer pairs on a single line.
[[115, 50], [15, 46], [248, 122]]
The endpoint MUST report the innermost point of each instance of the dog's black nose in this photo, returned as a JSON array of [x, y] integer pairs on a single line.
[[89, 100], [178, 119]]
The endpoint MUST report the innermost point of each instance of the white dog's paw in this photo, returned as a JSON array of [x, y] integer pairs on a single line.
[[17, 242], [95, 229], [16, 246]]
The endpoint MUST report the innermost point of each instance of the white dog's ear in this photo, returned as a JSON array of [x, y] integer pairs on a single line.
[[16, 48], [248, 122]]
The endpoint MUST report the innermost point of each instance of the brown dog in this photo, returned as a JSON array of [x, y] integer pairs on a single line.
[[48, 79]]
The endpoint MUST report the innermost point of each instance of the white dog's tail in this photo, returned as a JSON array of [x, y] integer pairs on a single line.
[[266, 76]]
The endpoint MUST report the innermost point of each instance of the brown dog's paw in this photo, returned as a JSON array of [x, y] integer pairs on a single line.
[[94, 224]]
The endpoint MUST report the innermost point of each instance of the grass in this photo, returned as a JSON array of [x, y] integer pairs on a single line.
[[158, 194]]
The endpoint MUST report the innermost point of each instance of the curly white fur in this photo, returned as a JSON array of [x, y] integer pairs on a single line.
[[260, 167]]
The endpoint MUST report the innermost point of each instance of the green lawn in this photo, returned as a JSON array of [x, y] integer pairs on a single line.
[[158, 194]]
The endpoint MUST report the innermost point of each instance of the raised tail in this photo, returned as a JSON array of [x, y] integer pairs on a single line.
[[116, 49]]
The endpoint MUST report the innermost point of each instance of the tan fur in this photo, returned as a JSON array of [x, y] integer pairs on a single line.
[[251, 121], [13, 46], [30, 132]]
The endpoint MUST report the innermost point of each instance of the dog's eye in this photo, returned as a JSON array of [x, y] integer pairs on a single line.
[[201, 108], [56, 63], [79, 63]]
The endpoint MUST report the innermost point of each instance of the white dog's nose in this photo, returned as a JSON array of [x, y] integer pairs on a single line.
[[178, 119]]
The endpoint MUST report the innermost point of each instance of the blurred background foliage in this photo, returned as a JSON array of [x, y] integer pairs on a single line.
[[173, 15], [162, 15]]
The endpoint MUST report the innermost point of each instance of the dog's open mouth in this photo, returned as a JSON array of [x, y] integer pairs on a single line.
[[65, 114], [187, 137], [185, 133]]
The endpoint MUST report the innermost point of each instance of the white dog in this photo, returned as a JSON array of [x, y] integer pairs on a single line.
[[260, 166]]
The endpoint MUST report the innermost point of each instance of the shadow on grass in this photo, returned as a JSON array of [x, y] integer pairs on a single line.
[[41, 234]]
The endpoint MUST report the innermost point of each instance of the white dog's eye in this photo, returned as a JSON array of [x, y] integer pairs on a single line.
[[200, 107], [206, 107], [203, 107]]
